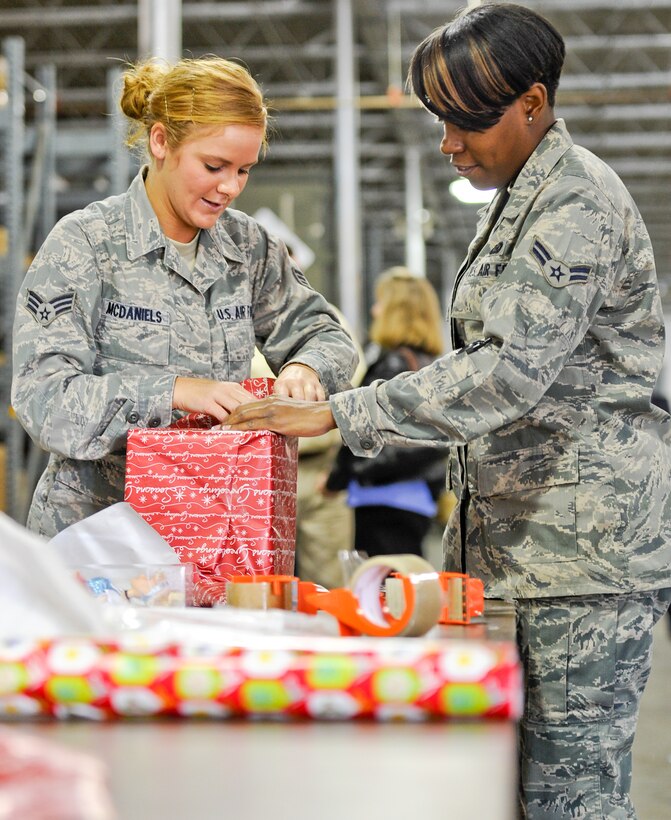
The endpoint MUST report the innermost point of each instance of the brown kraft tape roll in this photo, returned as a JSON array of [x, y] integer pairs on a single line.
[[259, 595]]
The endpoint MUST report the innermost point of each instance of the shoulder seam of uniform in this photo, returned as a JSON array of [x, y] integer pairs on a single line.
[[584, 174]]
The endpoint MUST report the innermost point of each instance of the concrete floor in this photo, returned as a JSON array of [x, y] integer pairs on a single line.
[[652, 748]]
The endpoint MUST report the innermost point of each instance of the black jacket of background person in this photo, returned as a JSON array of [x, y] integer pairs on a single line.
[[392, 463]]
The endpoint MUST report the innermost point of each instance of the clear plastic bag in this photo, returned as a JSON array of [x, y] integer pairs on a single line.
[[349, 560]]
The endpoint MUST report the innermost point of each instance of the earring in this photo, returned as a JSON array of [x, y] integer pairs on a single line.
[[530, 118]]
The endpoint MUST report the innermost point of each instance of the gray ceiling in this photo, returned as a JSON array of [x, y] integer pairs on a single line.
[[615, 92]]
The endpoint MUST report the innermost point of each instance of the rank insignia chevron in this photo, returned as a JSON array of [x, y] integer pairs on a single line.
[[557, 272], [45, 311]]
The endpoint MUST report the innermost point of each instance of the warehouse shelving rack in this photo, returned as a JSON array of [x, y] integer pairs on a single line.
[[30, 147], [27, 211]]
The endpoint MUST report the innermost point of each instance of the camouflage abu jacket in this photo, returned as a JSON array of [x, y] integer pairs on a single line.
[[109, 315], [561, 463]]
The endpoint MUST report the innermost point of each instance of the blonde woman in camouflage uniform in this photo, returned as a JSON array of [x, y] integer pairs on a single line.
[[148, 304], [561, 463]]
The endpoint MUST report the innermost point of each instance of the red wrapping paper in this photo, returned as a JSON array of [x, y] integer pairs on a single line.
[[224, 500], [384, 679]]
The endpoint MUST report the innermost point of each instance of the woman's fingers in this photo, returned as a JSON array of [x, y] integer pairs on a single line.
[[208, 396], [298, 381], [252, 416], [232, 405]]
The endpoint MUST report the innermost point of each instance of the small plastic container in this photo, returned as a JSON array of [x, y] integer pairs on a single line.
[[139, 584]]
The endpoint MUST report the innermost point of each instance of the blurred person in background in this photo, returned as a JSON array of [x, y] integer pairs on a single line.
[[394, 495]]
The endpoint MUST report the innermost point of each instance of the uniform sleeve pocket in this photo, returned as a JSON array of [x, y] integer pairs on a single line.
[[527, 503]]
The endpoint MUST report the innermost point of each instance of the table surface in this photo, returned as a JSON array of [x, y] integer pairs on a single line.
[[249, 770]]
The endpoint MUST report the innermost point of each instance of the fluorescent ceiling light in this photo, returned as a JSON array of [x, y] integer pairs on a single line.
[[462, 190]]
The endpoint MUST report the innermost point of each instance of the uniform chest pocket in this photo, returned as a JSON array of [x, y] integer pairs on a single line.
[[526, 501], [239, 341], [480, 277], [140, 342]]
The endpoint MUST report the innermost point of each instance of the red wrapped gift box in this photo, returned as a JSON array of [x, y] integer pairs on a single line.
[[224, 500]]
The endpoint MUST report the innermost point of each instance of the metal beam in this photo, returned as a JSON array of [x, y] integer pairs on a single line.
[[638, 167], [633, 142], [12, 264], [160, 29], [346, 168], [415, 251], [310, 52], [612, 113], [112, 139], [609, 82], [442, 8], [59, 17], [617, 42], [253, 54], [71, 17]]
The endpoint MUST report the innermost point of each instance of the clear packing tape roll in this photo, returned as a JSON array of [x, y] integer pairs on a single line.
[[409, 604], [412, 603]]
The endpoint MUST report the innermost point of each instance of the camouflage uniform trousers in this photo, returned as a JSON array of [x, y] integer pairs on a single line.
[[587, 660]]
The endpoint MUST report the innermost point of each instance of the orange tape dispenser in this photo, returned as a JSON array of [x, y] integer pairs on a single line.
[[464, 598], [410, 605], [387, 596]]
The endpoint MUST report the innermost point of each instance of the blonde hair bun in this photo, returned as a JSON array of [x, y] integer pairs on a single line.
[[207, 90], [138, 84]]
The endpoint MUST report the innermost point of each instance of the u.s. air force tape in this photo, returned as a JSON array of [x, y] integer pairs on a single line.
[[413, 595]]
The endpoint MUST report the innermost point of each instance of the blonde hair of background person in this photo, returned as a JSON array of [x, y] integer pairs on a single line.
[[406, 312], [148, 304]]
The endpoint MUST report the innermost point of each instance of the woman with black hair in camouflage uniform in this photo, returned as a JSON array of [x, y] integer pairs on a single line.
[[561, 463]]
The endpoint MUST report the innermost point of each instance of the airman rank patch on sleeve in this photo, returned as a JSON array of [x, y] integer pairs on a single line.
[[300, 277], [45, 311], [558, 273]]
